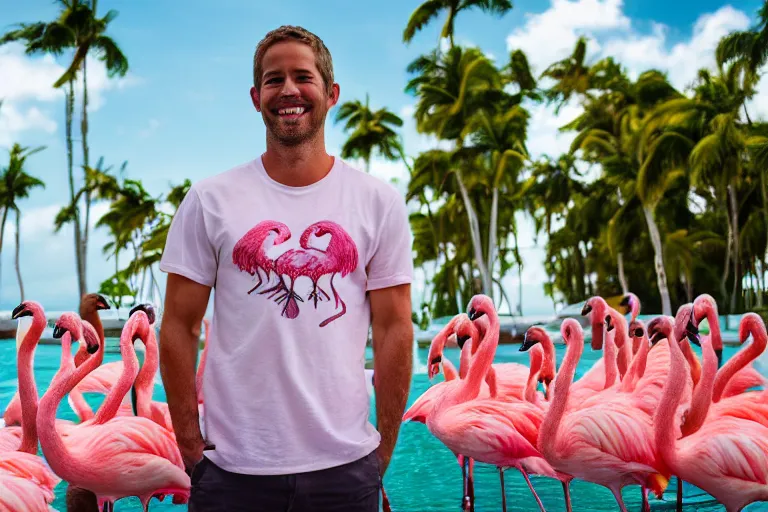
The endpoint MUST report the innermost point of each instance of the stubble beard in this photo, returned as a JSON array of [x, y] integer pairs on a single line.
[[298, 132]]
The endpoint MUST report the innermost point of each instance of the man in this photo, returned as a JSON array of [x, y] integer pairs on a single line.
[[305, 254]]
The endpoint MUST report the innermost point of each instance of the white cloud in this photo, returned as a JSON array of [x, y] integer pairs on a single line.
[[551, 35], [27, 89], [683, 60]]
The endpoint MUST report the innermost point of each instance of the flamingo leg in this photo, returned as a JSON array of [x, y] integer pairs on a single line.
[[567, 493], [679, 507], [503, 493], [471, 483], [530, 486], [338, 299], [619, 499], [465, 500], [646, 505], [257, 284]]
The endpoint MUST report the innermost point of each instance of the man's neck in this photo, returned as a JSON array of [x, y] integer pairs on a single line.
[[297, 166]]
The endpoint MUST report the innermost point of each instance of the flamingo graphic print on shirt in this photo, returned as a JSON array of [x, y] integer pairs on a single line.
[[340, 257]]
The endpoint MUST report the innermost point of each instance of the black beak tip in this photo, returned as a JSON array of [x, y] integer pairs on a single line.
[[625, 301], [586, 310], [18, 310], [102, 302], [92, 349], [58, 332], [147, 309], [461, 340], [694, 338]]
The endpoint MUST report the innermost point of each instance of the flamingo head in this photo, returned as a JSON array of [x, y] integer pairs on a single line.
[[637, 329], [631, 304], [465, 330], [663, 327], [71, 323], [435, 356], [597, 307], [571, 330], [91, 339], [480, 305], [94, 301], [533, 336], [25, 309], [147, 309], [140, 319], [751, 323]]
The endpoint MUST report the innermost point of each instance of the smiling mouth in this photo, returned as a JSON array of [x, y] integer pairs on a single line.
[[291, 112]]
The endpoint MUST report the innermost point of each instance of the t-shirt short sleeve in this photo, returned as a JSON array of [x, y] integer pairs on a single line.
[[188, 249], [392, 261]]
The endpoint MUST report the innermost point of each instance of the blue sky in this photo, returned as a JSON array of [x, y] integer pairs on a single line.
[[184, 110]]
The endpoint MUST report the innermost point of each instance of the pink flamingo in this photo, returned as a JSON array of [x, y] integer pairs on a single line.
[[751, 405], [726, 457], [126, 456], [496, 432], [339, 257], [249, 253], [733, 378], [597, 309], [614, 440]]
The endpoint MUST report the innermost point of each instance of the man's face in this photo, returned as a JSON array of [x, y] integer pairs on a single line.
[[293, 99]]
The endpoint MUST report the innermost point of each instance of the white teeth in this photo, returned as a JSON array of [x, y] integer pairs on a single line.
[[288, 111]]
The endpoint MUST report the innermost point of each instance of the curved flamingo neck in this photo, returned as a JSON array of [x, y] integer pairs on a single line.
[[465, 359], [713, 319], [91, 315], [481, 361], [111, 403], [27, 387], [609, 358], [551, 422], [702, 394], [693, 362], [637, 367], [145, 379], [56, 453], [742, 358], [533, 373], [548, 366], [621, 340], [664, 419]]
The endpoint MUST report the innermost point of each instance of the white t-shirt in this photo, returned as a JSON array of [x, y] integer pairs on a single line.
[[284, 383]]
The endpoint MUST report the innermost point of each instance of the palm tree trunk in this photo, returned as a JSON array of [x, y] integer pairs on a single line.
[[84, 132], [735, 293], [622, 277], [492, 229], [726, 268], [2, 233], [661, 274], [18, 245], [474, 229], [70, 107], [764, 258]]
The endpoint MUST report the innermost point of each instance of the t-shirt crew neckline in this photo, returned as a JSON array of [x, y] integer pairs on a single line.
[[262, 172]]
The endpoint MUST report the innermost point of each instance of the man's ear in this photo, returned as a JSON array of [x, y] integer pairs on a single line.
[[256, 99]]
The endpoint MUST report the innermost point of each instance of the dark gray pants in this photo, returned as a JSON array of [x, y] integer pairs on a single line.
[[352, 487]]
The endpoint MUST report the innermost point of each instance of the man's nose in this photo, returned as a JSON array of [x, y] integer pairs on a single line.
[[290, 88]]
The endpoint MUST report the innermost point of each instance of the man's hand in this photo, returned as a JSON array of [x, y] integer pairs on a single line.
[[392, 363], [185, 304]]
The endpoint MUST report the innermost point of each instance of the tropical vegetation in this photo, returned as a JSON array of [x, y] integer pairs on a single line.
[[663, 191]]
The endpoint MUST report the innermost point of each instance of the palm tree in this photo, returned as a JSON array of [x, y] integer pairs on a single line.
[[430, 9], [749, 46], [15, 184], [89, 37], [371, 131]]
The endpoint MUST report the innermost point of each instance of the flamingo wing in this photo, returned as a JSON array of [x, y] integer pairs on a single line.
[[744, 380], [490, 431], [101, 379], [17, 493], [30, 467]]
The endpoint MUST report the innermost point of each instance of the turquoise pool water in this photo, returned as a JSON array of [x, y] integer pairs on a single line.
[[423, 475]]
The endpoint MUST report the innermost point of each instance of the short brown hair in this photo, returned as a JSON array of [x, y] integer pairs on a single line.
[[289, 32]]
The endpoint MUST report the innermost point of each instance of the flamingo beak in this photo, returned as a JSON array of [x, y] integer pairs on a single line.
[[19, 311], [91, 348], [587, 309], [101, 302], [609, 325], [475, 314], [461, 340], [147, 309], [58, 331], [626, 301], [657, 337], [527, 343]]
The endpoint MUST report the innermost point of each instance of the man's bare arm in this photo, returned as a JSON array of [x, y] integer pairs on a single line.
[[185, 305], [392, 362]]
